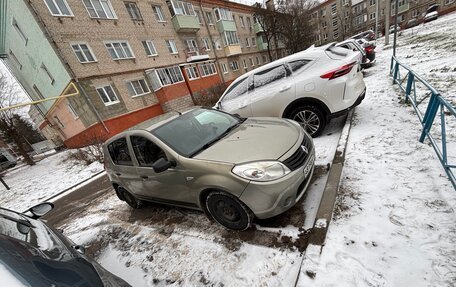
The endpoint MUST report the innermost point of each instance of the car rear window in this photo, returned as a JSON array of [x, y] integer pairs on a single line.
[[118, 150], [298, 65], [336, 53]]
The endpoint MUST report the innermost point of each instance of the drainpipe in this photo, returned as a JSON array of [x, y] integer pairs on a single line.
[[212, 43]]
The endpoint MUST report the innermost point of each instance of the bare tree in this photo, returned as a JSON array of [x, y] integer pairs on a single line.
[[268, 20], [8, 118]]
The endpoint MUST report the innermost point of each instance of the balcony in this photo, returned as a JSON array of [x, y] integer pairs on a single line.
[[195, 55], [185, 24], [225, 25], [233, 50], [257, 27], [262, 46]]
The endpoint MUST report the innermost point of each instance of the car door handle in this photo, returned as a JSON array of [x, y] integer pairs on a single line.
[[243, 107], [144, 177], [117, 173], [285, 88]]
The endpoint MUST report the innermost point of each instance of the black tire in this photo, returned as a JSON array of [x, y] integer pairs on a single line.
[[119, 193], [229, 211], [311, 119], [130, 199]]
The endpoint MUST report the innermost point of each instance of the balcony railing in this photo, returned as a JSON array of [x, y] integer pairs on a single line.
[[196, 54]]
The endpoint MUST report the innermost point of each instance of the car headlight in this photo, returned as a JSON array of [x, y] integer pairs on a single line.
[[261, 170]]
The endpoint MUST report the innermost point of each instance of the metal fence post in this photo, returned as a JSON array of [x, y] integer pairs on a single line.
[[408, 89], [396, 70], [429, 116]]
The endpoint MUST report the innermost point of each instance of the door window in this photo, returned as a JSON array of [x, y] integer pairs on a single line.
[[238, 89], [118, 150], [269, 76], [146, 152]]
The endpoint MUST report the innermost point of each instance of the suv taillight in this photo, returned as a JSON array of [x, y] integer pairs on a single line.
[[369, 49], [339, 72]]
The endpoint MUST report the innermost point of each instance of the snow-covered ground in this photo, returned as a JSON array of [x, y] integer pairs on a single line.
[[395, 222], [30, 185]]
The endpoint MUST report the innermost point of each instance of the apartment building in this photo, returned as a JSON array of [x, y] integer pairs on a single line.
[[130, 60], [336, 20]]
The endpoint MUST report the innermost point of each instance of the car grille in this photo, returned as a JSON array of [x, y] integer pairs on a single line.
[[297, 159]]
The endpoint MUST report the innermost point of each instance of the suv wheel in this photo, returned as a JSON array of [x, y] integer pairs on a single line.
[[130, 199], [311, 119], [229, 211]]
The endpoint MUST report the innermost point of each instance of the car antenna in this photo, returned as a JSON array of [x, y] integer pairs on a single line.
[[180, 114]]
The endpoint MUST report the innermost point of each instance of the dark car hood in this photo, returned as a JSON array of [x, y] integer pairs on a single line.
[[255, 139]]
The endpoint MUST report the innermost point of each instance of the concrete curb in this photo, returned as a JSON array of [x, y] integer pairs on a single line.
[[327, 203]]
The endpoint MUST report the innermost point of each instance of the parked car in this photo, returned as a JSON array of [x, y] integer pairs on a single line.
[[411, 23], [310, 87], [34, 254], [353, 45], [431, 16], [233, 168], [369, 35], [369, 48]]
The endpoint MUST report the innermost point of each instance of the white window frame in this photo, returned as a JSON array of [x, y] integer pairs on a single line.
[[136, 16], [247, 42], [209, 18], [103, 7], [254, 42], [207, 44], [249, 22], [82, 52], [110, 102], [158, 13], [224, 68], [223, 14], [198, 15], [122, 47], [46, 71], [172, 47], [234, 65], [171, 75], [192, 72], [334, 8], [230, 38], [72, 110], [60, 14], [19, 30], [252, 63], [372, 16], [150, 48], [241, 21], [257, 59], [207, 69], [244, 64], [142, 92], [182, 8]]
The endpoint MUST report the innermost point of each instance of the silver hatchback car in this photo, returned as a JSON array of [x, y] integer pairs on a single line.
[[234, 169]]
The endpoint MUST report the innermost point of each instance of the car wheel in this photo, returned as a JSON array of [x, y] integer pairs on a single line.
[[130, 199], [229, 211], [311, 119]]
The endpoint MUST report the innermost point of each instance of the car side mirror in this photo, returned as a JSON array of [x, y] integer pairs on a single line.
[[41, 209], [162, 164], [219, 106]]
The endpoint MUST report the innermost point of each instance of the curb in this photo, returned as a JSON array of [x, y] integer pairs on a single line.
[[327, 203]]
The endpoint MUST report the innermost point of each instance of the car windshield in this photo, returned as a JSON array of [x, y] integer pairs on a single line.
[[195, 131]]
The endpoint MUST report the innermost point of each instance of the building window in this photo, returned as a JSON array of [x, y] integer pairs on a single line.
[[325, 24], [198, 14], [192, 46], [372, 16], [230, 38], [254, 42], [241, 21], [15, 60], [244, 64], [372, 2], [72, 111], [169, 75], [448, 2], [234, 65], [149, 47], [247, 42], [192, 72], [206, 44], [119, 50], [107, 95], [137, 87], [251, 62], [415, 13], [56, 118], [38, 92], [83, 53], [336, 35], [133, 10], [101, 9], [158, 12], [209, 18], [224, 68], [257, 58], [325, 36], [249, 22], [334, 9], [19, 31], [172, 48], [46, 71], [208, 69], [334, 23], [181, 8], [265, 60], [223, 14], [58, 7], [323, 12], [402, 18]]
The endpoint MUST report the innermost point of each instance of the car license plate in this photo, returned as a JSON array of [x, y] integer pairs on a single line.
[[309, 166]]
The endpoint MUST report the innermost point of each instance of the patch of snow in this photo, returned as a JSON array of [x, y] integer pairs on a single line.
[[7, 278], [321, 223]]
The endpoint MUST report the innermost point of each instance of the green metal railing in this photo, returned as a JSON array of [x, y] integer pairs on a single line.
[[437, 106]]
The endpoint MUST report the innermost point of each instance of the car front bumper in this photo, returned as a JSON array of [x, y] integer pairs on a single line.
[[268, 199]]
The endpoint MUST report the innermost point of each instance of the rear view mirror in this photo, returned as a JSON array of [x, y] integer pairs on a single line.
[[162, 164], [40, 209]]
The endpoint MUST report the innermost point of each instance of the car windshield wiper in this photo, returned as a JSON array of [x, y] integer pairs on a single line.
[[216, 139]]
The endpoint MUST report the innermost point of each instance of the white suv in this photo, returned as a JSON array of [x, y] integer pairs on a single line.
[[310, 87]]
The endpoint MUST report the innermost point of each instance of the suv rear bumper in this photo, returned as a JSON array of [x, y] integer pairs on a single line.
[[342, 112]]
